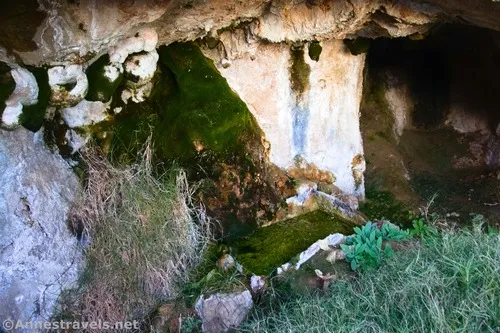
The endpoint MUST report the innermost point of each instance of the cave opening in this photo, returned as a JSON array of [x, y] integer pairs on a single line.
[[430, 123]]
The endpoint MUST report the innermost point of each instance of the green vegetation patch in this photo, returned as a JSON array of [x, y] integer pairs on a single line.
[[272, 246], [381, 205], [100, 87], [299, 71], [447, 284], [315, 50], [191, 109]]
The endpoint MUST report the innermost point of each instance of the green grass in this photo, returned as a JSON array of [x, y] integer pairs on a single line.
[[450, 283]]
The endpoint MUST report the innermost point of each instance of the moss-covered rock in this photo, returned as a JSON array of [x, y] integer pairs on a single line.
[[276, 244], [299, 70], [193, 106], [315, 50], [197, 121], [383, 205], [104, 78]]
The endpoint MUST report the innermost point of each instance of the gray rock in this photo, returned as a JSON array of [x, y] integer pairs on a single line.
[[39, 257], [221, 312]]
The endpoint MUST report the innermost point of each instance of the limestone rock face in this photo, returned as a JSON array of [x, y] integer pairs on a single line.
[[317, 126], [72, 29], [324, 19], [38, 255], [85, 113]]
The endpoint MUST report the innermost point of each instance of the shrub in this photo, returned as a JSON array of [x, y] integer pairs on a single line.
[[144, 236]]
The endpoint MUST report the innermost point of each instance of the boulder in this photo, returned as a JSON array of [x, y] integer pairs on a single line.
[[39, 257], [221, 312]]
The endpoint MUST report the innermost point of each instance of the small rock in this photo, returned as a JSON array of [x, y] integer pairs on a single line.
[[222, 312], [75, 140], [324, 279], [331, 241], [283, 268], [225, 63], [335, 255], [325, 244], [257, 283], [226, 262], [137, 95], [307, 254]]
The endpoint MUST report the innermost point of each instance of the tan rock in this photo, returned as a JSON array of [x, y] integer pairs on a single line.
[[71, 30], [315, 136]]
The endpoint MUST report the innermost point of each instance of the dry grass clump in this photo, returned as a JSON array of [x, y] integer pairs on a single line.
[[144, 236]]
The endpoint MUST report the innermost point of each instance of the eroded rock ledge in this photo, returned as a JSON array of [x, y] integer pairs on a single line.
[[76, 30]]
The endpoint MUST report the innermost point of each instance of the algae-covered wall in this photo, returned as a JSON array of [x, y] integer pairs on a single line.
[[198, 122]]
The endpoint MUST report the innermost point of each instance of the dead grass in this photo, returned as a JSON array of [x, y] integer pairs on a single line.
[[144, 236]]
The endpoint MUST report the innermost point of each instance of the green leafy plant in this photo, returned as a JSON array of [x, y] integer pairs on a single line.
[[190, 324], [366, 248], [393, 233], [420, 228]]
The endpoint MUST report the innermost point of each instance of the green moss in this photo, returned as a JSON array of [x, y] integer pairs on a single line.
[[315, 50], [377, 119], [299, 71], [33, 116], [383, 205], [191, 106], [7, 85], [100, 88], [357, 46], [54, 135], [276, 244]]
